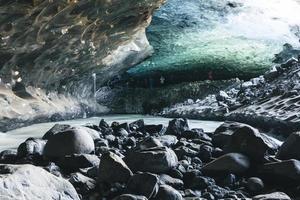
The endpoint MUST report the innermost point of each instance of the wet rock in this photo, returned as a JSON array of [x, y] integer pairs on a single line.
[[138, 124], [56, 129], [53, 169], [8, 156], [145, 184], [130, 197], [83, 184], [28, 181], [165, 179], [196, 134], [230, 163], [251, 142], [113, 169], [285, 172], [153, 129], [195, 180], [155, 160], [221, 136], [121, 133], [124, 126], [166, 192], [76, 161], [205, 153], [147, 143], [272, 196], [103, 124], [72, 141], [290, 148], [31, 146], [255, 185], [183, 151], [177, 127], [168, 140]]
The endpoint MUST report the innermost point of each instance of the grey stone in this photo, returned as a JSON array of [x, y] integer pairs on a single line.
[[30, 182], [72, 141], [145, 184], [235, 163], [113, 169], [272, 196], [155, 160]]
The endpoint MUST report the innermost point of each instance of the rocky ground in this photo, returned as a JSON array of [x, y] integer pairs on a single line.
[[139, 161], [270, 101]]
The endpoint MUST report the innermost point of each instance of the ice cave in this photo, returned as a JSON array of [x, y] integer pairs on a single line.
[[149, 99]]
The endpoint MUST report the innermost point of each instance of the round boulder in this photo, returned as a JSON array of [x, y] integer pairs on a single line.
[[72, 141]]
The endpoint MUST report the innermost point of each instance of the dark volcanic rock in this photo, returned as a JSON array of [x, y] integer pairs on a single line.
[[255, 185], [138, 124], [290, 149], [130, 197], [147, 143], [166, 192], [113, 169], [272, 196], [76, 161], [153, 129], [155, 160], [8, 156], [177, 127], [144, 184], [56, 129], [31, 146], [251, 142], [284, 172], [230, 163], [195, 180], [83, 184], [63, 128], [72, 141], [165, 179], [30, 182], [168, 140], [196, 134]]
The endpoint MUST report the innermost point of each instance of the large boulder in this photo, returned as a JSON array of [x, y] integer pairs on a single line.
[[71, 141], [235, 163], [31, 146], [34, 183], [285, 172], [249, 141], [57, 128], [177, 127], [290, 149], [272, 196], [145, 184], [113, 169], [155, 160]]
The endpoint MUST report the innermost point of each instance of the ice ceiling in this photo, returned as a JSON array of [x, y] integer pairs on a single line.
[[226, 38]]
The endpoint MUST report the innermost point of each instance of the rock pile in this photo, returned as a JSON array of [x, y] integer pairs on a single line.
[[270, 101], [138, 161]]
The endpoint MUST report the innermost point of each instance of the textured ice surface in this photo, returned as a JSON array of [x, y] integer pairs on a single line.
[[231, 38]]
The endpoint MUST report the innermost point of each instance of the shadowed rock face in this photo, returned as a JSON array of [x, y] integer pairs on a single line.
[[58, 44]]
